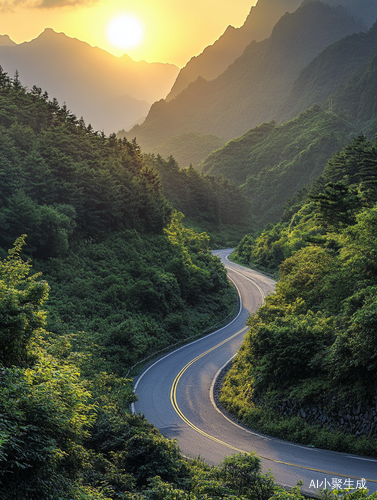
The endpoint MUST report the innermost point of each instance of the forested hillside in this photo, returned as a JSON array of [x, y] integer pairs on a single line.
[[91, 207], [310, 352], [123, 277], [67, 437], [271, 162], [357, 97]]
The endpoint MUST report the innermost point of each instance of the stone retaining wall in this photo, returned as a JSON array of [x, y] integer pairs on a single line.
[[350, 419]]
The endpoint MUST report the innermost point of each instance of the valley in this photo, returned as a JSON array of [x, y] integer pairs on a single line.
[[119, 182]]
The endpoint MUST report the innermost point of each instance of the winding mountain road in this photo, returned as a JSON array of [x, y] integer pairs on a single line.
[[176, 395]]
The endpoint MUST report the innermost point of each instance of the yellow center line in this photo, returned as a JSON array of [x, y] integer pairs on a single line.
[[173, 392], [173, 399]]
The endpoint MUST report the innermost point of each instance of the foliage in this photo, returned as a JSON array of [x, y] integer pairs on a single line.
[[62, 182], [62, 436], [20, 301], [345, 494], [45, 407], [60, 440], [126, 277], [95, 216], [242, 473], [330, 205]]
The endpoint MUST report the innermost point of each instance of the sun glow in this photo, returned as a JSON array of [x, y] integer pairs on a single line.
[[125, 32]]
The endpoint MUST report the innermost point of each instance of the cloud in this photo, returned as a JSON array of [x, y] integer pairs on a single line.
[[51, 4], [10, 5]]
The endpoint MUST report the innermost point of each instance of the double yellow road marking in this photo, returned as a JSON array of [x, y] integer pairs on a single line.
[[173, 393], [173, 398]]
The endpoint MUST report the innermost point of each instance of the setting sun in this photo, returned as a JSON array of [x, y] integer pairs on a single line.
[[125, 32]]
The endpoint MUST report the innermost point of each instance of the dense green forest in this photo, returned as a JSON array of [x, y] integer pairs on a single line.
[[123, 276], [98, 269], [114, 274], [212, 204], [309, 354], [97, 221], [66, 432]]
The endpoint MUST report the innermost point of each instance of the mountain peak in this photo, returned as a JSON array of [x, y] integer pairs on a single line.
[[6, 41], [48, 35], [49, 32]]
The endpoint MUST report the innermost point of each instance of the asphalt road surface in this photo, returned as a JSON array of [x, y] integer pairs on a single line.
[[176, 395]]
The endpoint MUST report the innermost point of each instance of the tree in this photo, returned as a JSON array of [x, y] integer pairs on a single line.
[[21, 299], [45, 408], [337, 205]]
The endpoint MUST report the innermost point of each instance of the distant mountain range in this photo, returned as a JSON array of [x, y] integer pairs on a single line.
[[249, 90], [258, 26], [109, 92], [366, 10], [289, 102]]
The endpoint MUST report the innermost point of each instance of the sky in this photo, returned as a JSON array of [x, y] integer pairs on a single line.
[[173, 30]]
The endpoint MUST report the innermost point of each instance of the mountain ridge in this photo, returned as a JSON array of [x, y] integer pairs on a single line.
[[271, 162], [247, 93], [215, 58], [52, 60], [331, 68]]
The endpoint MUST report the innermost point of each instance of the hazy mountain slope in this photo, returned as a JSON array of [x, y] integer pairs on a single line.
[[187, 148], [190, 148], [217, 57], [272, 161], [258, 25], [332, 67], [249, 90], [90, 80], [358, 97], [364, 9]]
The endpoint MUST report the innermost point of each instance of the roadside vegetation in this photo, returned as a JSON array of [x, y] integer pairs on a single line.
[[307, 369]]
